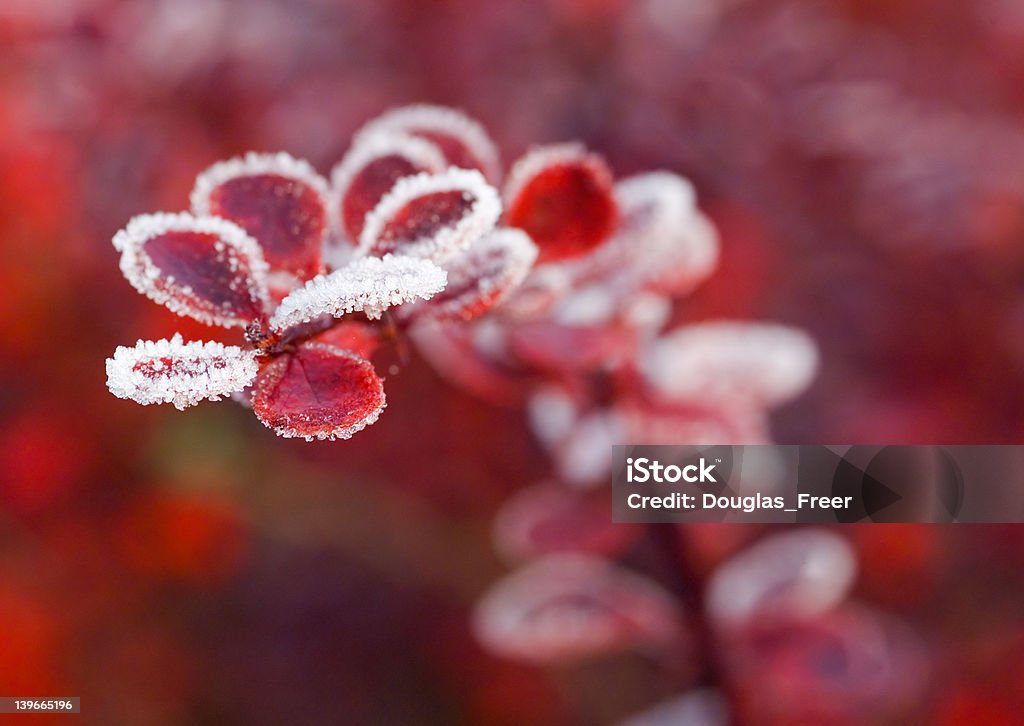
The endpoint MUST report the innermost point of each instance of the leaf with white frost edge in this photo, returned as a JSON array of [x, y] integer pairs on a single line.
[[172, 371], [369, 284], [565, 607], [795, 574], [254, 164], [450, 237], [720, 360], [481, 277], [419, 153], [234, 248], [429, 122]]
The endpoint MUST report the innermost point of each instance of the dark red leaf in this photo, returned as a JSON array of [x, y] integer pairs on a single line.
[[463, 141], [432, 216], [370, 170], [318, 392], [278, 200], [208, 269]]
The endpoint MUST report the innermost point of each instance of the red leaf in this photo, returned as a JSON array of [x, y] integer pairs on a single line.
[[482, 275], [663, 243], [549, 518], [568, 607], [793, 575], [208, 269], [431, 215], [563, 198], [358, 338], [278, 200], [463, 141], [318, 392], [371, 169]]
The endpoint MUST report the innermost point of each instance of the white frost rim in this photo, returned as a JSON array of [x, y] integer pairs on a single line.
[[481, 217], [253, 164], [185, 388], [442, 120], [364, 151], [140, 271]]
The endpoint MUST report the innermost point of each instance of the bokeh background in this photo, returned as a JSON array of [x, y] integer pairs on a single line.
[[862, 159]]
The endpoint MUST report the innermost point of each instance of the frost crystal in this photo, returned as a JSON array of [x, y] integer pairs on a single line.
[[432, 215], [767, 364], [464, 141], [369, 284], [172, 371], [253, 164], [208, 268], [570, 606]]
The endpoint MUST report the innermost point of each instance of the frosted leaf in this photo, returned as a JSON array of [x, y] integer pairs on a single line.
[[663, 243], [567, 607], [562, 196], [370, 169], [762, 363], [851, 665], [206, 268], [585, 458], [559, 348], [794, 575], [463, 141], [703, 707], [480, 277], [548, 518], [172, 371], [431, 215], [318, 392], [279, 200], [369, 284]]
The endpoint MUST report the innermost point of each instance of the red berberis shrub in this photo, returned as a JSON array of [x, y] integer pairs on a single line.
[[411, 223], [307, 269]]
